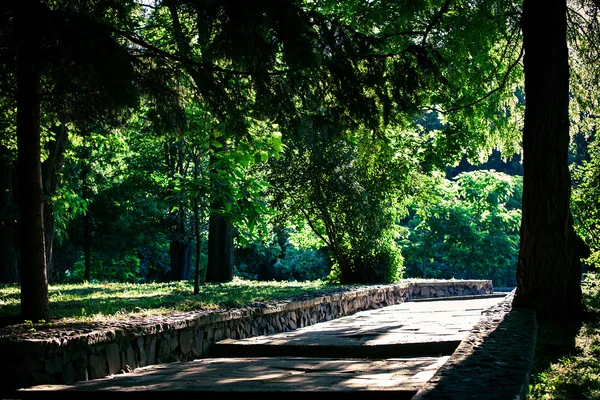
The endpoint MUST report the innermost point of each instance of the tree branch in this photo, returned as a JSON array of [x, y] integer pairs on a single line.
[[487, 95], [184, 60], [435, 19]]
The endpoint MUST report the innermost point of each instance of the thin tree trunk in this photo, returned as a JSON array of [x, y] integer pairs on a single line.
[[87, 233], [87, 248], [50, 172], [220, 250], [196, 231], [9, 216], [220, 263], [548, 269], [34, 282]]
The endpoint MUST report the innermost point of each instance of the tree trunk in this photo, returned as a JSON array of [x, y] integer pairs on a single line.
[[548, 269], [87, 232], [220, 263], [9, 216], [196, 230], [180, 248], [220, 250], [219, 267], [50, 174], [87, 248], [34, 282], [180, 242]]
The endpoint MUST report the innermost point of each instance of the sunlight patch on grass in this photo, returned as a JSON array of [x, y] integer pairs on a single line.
[[113, 301]]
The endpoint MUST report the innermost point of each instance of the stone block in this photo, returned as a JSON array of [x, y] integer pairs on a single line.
[[199, 340], [142, 357], [185, 341], [113, 358], [53, 366], [130, 359], [70, 376], [164, 351], [173, 341], [40, 377], [152, 352], [98, 368], [34, 365]]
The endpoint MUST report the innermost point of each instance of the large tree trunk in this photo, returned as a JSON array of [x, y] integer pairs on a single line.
[[9, 216], [34, 282], [51, 168], [548, 270]]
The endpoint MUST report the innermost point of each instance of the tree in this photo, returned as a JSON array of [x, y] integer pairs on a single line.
[[29, 20], [549, 265], [63, 52], [464, 228]]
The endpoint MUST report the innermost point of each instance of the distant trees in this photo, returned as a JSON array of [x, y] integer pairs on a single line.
[[464, 228]]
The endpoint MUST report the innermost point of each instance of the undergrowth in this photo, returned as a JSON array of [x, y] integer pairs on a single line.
[[567, 363]]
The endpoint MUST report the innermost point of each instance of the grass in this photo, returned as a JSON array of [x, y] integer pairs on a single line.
[[568, 362], [112, 301]]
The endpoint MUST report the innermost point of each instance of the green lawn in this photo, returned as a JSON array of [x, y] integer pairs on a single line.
[[568, 362], [105, 301]]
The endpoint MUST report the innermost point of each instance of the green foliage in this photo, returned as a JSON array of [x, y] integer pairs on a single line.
[[315, 114], [291, 255], [114, 269], [345, 188], [464, 228], [585, 201]]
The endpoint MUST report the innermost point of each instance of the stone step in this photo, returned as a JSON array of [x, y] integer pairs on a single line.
[[230, 348], [258, 378]]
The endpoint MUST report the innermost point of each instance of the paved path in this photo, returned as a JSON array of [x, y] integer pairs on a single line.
[[392, 350]]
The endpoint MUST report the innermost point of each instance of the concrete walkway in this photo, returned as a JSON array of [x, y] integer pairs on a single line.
[[388, 351]]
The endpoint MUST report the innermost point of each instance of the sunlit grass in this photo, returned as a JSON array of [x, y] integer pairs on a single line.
[[570, 369], [106, 301]]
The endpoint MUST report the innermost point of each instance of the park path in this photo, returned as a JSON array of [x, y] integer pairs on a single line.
[[393, 350]]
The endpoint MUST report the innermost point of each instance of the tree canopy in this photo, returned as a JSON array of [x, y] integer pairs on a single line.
[[160, 140]]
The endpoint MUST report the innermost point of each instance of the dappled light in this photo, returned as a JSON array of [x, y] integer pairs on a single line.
[[161, 159]]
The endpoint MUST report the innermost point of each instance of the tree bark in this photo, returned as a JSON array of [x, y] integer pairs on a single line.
[[181, 251], [34, 281], [87, 231], [179, 238], [219, 267], [9, 216], [51, 168], [196, 230], [220, 263], [548, 269]]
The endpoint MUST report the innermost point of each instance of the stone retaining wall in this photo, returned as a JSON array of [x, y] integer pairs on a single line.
[[74, 352]]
